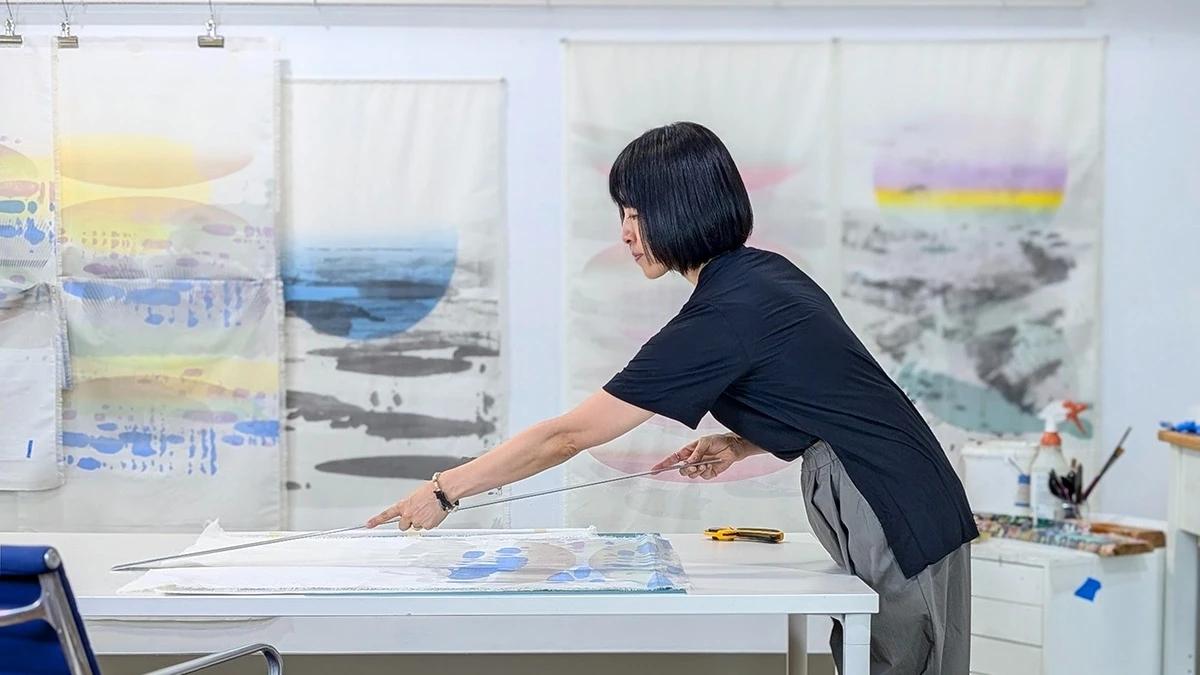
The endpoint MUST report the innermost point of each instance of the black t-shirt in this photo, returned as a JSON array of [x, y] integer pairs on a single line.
[[762, 347]]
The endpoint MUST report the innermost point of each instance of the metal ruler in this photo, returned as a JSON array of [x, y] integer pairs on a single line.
[[141, 564]]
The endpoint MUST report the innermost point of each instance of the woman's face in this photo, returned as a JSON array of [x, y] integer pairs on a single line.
[[631, 234]]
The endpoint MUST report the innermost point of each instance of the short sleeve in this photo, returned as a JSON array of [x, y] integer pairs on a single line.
[[683, 369]]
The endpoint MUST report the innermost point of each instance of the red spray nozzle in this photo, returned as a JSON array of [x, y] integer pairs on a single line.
[[1073, 410]]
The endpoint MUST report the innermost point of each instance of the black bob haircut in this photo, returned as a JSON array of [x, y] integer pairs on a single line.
[[692, 205]]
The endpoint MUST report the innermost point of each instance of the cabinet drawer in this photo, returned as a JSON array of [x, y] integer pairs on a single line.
[[1006, 621], [1009, 582], [997, 657]]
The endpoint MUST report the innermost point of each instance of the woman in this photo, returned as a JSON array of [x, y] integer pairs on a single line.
[[762, 347]]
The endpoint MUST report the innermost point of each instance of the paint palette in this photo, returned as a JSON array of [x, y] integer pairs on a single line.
[[1063, 533]]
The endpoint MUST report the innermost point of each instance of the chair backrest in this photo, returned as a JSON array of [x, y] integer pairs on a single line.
[[41, 632]]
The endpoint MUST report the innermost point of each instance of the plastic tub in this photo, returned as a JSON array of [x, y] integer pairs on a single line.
[[990, 478]]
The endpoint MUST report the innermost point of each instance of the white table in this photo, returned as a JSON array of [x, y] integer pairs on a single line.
[[1183, 556], [733, 582]]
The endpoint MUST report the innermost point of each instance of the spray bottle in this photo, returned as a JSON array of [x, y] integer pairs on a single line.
[[1049, 457]]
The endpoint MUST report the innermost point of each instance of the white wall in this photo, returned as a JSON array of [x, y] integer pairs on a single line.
[[1151, 271]]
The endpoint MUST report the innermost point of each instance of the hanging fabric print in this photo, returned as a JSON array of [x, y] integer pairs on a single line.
[[782, 153], [170, 288], [30, 371], [31, 334], [972, 209], [161, 177], [393, 265], [27, 193]]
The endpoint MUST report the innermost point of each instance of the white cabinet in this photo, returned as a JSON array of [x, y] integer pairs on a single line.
[[1044, 610], [1183, 558]]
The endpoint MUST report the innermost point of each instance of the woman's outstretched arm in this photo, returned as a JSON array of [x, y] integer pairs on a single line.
[[598, 420]]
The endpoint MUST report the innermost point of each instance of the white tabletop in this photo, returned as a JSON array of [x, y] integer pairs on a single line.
[[747, 578]]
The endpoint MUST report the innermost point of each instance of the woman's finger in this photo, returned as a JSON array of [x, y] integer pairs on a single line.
[[385, 515], [702, 451], [714, 470], [667, 463], [674, 458]]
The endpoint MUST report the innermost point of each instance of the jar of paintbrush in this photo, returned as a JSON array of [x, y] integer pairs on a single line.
[[1069, 487]]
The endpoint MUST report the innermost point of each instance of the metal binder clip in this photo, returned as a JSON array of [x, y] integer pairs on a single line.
[[65, 39], [210, 39], [10, 37]]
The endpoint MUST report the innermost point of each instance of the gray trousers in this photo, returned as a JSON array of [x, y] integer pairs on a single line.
[[924, 623]]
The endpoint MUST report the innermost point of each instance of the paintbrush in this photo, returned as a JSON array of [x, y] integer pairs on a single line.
[[1075, 482], [1058, 486], [1120, 450]]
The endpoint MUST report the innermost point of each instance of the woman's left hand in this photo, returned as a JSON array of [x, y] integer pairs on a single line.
[[421, 510], [720, 449]]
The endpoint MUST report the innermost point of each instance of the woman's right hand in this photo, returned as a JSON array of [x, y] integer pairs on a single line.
[[722, 449]]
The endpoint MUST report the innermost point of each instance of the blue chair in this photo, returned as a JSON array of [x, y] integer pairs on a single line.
[[41, 632]]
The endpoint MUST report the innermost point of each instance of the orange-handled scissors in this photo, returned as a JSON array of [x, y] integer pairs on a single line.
[[748, 533]]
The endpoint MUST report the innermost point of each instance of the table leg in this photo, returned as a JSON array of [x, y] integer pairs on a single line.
[[856, 644], [797, 646], [1183, 569]]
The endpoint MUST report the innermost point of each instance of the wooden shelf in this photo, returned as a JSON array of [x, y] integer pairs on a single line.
[[1189, 441]]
